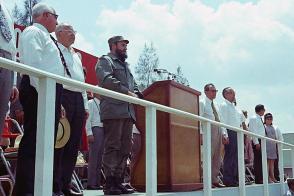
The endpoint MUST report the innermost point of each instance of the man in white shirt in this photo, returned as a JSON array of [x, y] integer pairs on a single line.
[[230, 116], [8, 51], [75, 103], [256, 126], [95, 134], [208, 109], [37, 50]]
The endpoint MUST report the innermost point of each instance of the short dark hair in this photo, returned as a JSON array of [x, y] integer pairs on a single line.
[[259, 108], [268, 115], [225, 91], [207, 86]]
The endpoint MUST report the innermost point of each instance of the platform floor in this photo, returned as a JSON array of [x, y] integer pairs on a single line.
[[256, 190]]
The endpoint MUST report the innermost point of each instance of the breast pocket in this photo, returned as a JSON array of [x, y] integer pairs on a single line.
[[120, 74]]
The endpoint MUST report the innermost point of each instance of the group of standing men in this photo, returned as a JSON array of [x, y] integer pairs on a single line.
[[41, 50], [227, 113]]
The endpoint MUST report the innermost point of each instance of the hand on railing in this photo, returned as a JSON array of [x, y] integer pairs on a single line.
[[132, 94]]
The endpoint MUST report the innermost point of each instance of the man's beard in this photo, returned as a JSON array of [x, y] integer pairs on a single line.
[[121, 55]]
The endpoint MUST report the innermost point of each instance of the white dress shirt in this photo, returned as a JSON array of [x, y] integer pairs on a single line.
[[256, 126], [4, 45], [205, 110], [230, 114], [94, 116], [75, 67], [39, 51]]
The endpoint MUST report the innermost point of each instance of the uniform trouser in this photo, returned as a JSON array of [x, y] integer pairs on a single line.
[[25, 172], [136, 148], [95, 157], [230, 167], [6, 79], [216, 143], [257, 164], [65, 158], [117, 145]]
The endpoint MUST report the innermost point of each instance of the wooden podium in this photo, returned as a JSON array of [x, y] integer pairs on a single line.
[[178, 139]]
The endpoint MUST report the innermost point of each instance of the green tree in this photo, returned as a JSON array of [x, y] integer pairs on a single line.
[[24, 16], [180, 78], [144, 70]]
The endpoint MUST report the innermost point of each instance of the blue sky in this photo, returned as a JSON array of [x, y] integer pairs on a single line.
[[245, 44]]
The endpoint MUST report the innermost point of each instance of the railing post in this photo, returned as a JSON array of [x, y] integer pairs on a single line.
[[207, 160], [241, 163], [292, 161], [45, 137], [151, 152], [264, 167], [281, 167]]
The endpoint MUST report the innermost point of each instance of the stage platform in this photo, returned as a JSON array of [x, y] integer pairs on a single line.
[[274, 190]]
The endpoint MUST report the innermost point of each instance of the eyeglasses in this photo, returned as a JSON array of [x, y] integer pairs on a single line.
[[269, 119], [55, 15], [214, 91]]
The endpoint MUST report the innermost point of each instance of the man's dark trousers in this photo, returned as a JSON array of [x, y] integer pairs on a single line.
[[230, 174], [117, 145], [6, 79], [25, 173], [257, 164], [65, 158]]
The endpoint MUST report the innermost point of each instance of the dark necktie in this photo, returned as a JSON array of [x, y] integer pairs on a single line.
[[61, 57], [215, 112], [263, 126], [4, 27]]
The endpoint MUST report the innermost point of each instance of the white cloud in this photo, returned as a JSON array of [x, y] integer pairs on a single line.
[[83, 44], [247, 46]]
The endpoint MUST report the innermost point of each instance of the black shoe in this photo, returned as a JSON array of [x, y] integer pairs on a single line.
[[218, 185], [70, 192], [58, 194], [94, 187], [232, 185], [124, 187], [111, 186]]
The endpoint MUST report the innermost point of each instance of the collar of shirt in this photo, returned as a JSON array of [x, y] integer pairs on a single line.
[[113, 56], [229, 103], [40, 26], [208, 100], [97, 100], [63, 48]]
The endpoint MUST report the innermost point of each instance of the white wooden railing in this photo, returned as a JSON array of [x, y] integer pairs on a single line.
[[44, 147]]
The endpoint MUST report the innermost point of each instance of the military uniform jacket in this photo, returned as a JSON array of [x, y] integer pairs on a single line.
[[113, 74]]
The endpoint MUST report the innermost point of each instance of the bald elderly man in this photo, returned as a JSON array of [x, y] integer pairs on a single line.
[[39, 51]]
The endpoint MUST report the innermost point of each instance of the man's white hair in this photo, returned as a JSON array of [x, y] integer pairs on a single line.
[[41, 8], [62, 26]]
